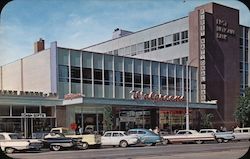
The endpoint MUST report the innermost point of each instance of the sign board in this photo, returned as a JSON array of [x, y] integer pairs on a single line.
[[33, 115], [155, 97]]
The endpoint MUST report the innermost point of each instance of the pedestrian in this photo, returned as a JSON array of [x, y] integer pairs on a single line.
[[80, 130], [156, 130], [77, 130]]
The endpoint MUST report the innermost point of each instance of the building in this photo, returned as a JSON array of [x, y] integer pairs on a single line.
[[136, 79], [209, 38]]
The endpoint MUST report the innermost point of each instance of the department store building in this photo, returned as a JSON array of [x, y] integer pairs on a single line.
[[136, 79]]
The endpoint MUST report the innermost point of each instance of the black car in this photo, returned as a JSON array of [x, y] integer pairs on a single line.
[[57, 141]]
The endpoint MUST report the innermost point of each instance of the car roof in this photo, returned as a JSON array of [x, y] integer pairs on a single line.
[[136, 129], [207, 129], [115, 131], [193, 131]]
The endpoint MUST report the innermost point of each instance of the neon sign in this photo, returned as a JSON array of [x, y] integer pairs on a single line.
[[155, 97]]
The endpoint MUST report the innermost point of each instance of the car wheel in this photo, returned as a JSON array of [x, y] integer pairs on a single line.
[[153, 144], [9, 150], [84, 146], [165, 142], [219, 140], [56, 147], [123, 143], [199, 142]]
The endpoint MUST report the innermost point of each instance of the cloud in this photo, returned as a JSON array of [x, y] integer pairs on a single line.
[[78, 24]]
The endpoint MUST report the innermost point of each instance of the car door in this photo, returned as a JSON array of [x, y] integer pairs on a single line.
[[116, 138], [106, 138], [144, 137]]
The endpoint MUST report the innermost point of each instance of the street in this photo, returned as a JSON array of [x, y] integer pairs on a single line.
[[231, 150]]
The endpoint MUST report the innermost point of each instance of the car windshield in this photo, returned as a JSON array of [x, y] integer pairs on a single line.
[[68, 132], [15, 136]]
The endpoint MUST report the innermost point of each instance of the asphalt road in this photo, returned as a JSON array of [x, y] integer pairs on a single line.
[[231, 150]]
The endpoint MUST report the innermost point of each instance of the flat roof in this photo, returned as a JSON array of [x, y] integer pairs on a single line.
[[132, 102]]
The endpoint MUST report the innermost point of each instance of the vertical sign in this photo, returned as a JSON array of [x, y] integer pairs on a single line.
[[202, 56]]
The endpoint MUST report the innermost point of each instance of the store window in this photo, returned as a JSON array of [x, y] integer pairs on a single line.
[[49, 111], [32, 109], [17, 110], [5, 110]]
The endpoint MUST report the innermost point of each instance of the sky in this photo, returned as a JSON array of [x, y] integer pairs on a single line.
[[81, 23]]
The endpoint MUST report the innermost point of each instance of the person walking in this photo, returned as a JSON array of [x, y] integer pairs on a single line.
[[156, 130]]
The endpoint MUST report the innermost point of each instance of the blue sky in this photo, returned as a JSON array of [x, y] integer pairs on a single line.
[[80, 23]]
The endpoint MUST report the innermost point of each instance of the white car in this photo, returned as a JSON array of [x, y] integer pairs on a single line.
[[219, 136], [10, 142], [183, 136], [242, 133], [118, 138]]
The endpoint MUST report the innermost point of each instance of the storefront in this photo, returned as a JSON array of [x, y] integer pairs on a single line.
[[27, 114], [123, 114]]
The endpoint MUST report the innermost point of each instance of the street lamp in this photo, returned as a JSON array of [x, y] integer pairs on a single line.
[[187, 94]]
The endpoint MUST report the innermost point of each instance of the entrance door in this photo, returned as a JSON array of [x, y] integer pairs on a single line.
[[27, 125], [34, 125]]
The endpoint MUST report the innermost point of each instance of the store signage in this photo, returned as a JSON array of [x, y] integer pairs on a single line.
[[202, 56], [33, 115], [127, 119], [71, 96], [155, 97], [222, 30]]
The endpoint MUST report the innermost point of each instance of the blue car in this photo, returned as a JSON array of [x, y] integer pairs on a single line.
[[146, 136]]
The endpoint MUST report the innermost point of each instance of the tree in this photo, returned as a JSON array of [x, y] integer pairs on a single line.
[[242, 113], [206, 120], [107, 118]]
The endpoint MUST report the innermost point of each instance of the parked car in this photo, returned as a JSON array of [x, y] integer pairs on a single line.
[[146, 136], [118, 138], [242, 133], [10, 142], [185, 136], [57, 141], [87, 139], [219, 136]]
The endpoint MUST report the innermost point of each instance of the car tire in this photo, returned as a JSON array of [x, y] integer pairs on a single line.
[[219, 140], [123, 143], [84, 146], [199, 142], [55, 147], [9, 150], [165, 142], [153, 144]]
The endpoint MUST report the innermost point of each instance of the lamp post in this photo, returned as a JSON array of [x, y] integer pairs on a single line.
[[187, 99], [187, 94]]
